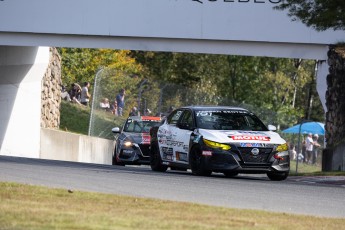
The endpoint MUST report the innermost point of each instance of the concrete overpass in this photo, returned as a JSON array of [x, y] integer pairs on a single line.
[[234, 27]]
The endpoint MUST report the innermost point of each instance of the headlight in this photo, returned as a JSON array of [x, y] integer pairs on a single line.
[[217, 145], [128, 143], [282, 147]]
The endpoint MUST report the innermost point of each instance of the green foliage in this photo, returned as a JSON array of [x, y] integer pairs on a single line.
[[278, 90], [81, 65], [320, 14]]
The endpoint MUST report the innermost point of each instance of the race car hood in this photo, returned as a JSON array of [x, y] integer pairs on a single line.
[[227, 136], [139, 138]]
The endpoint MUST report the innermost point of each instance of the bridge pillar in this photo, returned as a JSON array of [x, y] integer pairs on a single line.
[[21, 72]]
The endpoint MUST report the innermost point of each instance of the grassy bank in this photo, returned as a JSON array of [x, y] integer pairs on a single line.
[[75, 118], [32, 207]]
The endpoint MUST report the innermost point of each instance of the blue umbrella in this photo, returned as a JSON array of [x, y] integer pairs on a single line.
[[307, 127]]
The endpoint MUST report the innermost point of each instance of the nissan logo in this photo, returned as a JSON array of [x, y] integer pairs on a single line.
[[255, 151]]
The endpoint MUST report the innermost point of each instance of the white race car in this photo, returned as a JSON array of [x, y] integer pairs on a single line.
[[223, 139]]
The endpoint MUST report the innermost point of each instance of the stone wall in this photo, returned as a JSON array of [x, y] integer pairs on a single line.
[[335, 116], [51, 92]]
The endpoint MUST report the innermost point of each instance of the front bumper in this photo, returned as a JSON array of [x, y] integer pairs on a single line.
[[240, 160], [138, 154]]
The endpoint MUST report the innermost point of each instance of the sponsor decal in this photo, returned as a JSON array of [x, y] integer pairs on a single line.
[[167, 153], [251, 132], [252, 145], [174, 143], [181, 156], [145, 138], [207, 153], [240, 1], [126, 152], [250, 138], [164, 132], [209, 113]]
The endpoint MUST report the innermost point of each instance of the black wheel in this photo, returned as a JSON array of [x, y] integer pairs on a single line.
[[230, 174], [197, 163], [277, 176], [156, 161], [115, 161]]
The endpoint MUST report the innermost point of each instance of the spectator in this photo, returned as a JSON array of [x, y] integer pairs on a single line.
[[134, 112], [75, 93], [309, 148], [85, 96], [171, 108], [292, 151], [300, 157], [304, 149], [147, 112], [316, 148], [120, 100], [113, 108], [64, 94], [104, 104]]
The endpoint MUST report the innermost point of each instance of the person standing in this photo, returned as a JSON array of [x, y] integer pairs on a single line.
[[85, 95], [120, 99], [316, 148], [309, 148]]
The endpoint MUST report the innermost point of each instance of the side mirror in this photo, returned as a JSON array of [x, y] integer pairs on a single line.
[[272, 128], [115, 130]]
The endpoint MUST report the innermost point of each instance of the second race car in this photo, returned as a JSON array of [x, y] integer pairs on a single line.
[[228, 140], [132, 142]]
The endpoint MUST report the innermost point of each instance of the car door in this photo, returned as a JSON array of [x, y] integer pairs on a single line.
[[182, 137], [167, 136]]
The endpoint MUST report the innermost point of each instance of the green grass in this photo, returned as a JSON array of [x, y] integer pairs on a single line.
[[75, 118], [303, 168], [33, 207], [311, 170]]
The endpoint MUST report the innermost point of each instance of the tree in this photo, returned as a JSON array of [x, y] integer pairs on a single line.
[[320, 14]]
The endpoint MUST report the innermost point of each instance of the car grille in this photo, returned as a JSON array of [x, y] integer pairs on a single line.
[[248, 157], [145, 149]]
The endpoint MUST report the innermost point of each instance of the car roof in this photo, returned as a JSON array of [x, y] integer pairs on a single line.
[[145, 118], [209, 107]]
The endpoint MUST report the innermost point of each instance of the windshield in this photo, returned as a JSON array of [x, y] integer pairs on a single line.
[[228, 120], [136, 126]]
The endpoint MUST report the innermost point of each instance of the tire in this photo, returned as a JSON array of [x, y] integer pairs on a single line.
[[197, 163], [278, 176], [115, 161], [156, 160], [230, 174]]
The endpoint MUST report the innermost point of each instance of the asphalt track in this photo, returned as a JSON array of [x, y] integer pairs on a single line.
[[310, 196]]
